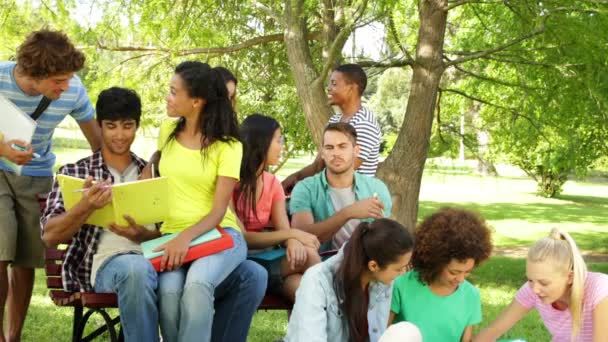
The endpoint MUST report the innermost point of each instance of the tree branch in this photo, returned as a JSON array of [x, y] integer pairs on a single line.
[[339, 42], [454, 4], [393, 32], [279, 37], [493, 80], [392, 63], [484, 53]]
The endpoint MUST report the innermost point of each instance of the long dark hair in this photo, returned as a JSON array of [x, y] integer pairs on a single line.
[[383, 241], [218, 119], [256, 134]]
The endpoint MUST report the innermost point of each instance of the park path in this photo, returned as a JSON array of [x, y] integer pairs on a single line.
[[522, 251]]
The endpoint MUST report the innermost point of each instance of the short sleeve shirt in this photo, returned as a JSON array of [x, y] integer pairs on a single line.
[[559, 322], [413, 301], [271, 194], [193, 177], [368, 139], [73, 102]]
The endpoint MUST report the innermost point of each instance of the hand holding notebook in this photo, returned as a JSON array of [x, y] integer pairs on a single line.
[[145, 200], [213, 241]]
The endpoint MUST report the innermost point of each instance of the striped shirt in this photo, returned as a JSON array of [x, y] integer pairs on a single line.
[[78, 265], [74, 102], [368, 138], [559, 323]]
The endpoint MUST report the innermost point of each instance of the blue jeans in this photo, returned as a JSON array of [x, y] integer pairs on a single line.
[[187, 295], [134, 280]]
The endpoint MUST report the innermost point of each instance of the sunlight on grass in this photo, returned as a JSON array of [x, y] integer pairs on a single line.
[[509, 204]]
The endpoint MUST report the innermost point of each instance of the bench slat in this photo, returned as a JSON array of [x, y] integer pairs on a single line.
[[52, 254], [53, 269]]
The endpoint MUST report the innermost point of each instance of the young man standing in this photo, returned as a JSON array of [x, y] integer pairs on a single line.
[[45, 67], [346, 86], [107, 260], [331, 203]]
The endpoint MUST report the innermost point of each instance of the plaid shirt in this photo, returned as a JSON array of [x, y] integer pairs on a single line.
[[76, 269]]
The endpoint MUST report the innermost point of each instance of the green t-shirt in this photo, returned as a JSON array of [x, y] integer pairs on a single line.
[[192, 179], [439, 318]]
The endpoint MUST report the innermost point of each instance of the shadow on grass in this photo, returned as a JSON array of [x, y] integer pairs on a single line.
[[587, 200], [531, 212]]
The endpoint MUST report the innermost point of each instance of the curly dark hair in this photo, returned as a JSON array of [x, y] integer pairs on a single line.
[[47, 53], [449, 234]]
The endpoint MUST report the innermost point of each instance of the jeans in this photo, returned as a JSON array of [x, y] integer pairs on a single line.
[[134, 280], [187, 295]]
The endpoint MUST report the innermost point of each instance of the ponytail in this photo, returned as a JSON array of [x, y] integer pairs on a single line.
[[560, 248], [383, 241]]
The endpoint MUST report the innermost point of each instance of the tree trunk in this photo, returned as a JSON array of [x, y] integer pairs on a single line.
[[310, 93], [403, 168]]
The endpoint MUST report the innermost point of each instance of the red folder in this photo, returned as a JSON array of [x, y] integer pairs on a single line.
[[202, 250]]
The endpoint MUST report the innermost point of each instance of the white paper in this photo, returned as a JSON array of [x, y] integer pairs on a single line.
[[15, 124]]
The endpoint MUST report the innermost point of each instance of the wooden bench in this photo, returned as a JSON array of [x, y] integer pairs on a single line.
[[80, 301]]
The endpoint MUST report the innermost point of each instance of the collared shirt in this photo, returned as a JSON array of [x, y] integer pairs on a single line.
[[313, 194], [368, 138], [73, 102], [77, 266], [317, 315]]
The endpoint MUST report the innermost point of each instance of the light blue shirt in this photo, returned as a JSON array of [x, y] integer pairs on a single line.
[[74, 102], [316, 315]]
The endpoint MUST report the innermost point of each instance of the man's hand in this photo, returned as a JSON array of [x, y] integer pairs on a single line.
[[296, 254], [16, 156], [369, 208], [97, 194], [175, 251], [306, 239], [134, 232]]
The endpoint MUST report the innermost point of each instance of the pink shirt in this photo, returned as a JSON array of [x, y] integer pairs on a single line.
[[559, 323], [272, 192]]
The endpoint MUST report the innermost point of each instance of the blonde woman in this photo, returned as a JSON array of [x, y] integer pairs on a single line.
[[572, 302]]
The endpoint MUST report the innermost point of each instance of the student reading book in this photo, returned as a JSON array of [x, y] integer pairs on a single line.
[[107, 260]]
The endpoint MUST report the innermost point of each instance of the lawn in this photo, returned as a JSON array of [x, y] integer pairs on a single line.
[[508, 203]]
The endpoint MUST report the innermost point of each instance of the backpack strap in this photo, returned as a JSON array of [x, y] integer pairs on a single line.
[[42, 106]]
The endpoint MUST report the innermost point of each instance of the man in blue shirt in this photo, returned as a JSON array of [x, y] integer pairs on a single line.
[[46, 65], [331, 203]]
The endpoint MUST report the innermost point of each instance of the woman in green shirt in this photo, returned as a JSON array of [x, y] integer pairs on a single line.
[[435, 296]]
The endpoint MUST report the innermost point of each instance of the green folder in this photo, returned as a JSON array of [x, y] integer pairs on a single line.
[[144, 200], [148, 246]]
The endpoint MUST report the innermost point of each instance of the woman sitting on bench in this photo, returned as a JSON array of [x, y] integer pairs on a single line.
[[260, 203]]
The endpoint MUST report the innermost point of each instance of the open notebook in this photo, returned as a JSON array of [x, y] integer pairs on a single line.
[[144, 200], [15, 124], [214, 241]]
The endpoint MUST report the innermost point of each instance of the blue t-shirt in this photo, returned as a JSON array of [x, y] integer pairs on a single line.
[[74, 102], [439, 318]]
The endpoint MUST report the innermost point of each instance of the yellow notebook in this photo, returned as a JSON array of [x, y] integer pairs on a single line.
[[145, 201]]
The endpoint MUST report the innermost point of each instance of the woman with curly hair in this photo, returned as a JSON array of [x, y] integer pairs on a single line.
[[435, 296]]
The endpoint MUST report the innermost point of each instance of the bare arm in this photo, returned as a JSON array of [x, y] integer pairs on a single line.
[[176, 249], [600, 317], [92, 132], [391, 318], [358, 162], [507, 319], [317, 165], [467, 335]]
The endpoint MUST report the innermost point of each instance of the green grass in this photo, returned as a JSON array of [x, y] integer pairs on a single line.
[[508, 203]]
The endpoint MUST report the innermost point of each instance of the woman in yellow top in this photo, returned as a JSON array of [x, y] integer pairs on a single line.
[[201, 156]]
